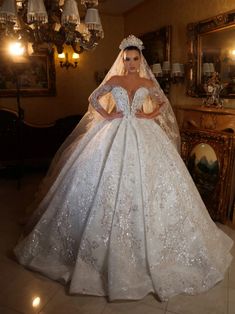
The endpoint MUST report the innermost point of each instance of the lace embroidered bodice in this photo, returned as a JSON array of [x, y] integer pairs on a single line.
[[143, 98], [123, 101], [127, 105]]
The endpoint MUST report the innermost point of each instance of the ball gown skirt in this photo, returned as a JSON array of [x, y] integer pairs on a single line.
[[123, 218]]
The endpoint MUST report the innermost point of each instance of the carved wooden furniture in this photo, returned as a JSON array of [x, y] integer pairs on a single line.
[[208, 149]]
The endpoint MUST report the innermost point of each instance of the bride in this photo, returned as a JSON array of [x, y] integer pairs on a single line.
[[118, 214]]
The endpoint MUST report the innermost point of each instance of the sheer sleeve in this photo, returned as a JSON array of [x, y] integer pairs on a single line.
[[97, 93]]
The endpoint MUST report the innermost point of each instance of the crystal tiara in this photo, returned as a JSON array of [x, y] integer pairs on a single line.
[[131, 40]]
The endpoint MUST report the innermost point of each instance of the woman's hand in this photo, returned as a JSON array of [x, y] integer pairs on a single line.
[[151, 115], [113, 115]]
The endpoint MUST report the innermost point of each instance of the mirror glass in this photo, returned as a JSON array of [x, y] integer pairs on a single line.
[[218, 54], [212, 49], [203, 166]]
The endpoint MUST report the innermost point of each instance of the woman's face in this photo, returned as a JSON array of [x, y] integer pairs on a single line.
[[131, 61]]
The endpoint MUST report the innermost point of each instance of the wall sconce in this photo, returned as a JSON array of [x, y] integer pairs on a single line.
[[208, 69], [166, 74], [177, 73], [64, 60]]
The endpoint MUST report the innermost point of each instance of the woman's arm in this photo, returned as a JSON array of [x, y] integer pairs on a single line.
[[158, 102], [94, 101], [151, 115]]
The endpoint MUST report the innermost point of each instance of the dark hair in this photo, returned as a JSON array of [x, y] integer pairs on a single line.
[[132, 48]]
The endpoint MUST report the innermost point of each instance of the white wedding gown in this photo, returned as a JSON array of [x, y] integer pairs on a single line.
[[123, 217]]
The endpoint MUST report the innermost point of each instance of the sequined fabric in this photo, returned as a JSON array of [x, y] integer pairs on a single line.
[[123, 217]]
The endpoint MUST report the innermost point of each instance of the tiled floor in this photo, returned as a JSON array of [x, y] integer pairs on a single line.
[[20, 289]]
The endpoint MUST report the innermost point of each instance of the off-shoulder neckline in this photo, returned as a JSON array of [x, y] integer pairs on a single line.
[[128, 94]]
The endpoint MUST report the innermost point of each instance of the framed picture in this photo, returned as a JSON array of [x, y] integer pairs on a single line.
[[209, 156], [158, 50], [34, 74], [157, 45]]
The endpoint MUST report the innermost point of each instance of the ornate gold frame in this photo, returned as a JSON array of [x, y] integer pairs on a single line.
[[152, 52], [223, 145], [36, 75], [194, 30]]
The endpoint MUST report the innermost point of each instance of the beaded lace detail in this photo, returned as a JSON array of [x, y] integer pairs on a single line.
[[94, 97]]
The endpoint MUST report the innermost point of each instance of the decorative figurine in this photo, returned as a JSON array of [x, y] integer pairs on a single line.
[[213, 88]]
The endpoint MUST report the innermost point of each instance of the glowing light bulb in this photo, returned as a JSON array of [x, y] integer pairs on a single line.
[[36, 302], [61, 55], [75, 55], [16, 49]]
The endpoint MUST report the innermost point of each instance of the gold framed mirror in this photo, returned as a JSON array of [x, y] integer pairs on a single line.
[[211, 48]]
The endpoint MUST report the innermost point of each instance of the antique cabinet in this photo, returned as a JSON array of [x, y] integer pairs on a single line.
[[208, 149]]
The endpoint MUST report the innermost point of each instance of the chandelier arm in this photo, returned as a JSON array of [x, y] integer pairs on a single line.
[[77, 47], [92, 42]]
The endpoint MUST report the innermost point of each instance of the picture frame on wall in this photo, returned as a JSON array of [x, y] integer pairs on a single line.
[[157, 50], [157, 45], [35, 75]]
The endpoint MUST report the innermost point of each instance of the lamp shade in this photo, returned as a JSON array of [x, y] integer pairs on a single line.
[[211, 67], [177, 69], [36, 11], [8, 11], [70, 13], [157, 69], [92, 19], [205, 68], [166, 66]]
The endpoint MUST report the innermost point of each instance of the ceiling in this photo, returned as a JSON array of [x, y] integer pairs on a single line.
[[117, 7]]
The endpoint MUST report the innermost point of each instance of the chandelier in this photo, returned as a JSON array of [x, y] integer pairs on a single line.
[[55, 22]]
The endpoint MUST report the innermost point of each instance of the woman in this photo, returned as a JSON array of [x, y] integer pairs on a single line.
[[119, 214]]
